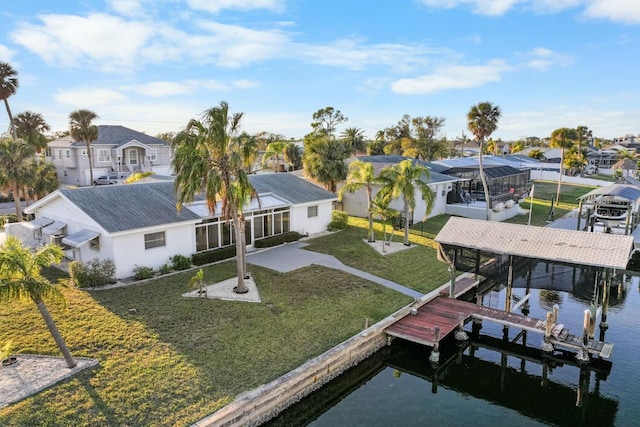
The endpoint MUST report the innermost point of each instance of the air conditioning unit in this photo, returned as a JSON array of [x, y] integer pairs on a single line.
[[56, 239]]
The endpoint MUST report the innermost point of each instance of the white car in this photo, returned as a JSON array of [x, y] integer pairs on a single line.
[[106, 180]]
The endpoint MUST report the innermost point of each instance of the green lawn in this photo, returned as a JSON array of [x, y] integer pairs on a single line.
[[177, 360]]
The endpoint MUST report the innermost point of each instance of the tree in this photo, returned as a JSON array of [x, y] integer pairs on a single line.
[[582, 134], [212, 157], [30, 127], [361, 174], [325, 121], [401, 181], [536, 153], [324, 160], [482, 121], [424, 130], [273, 151], [20, 280], [292, 156], [16, 172], [380, 208], [45, 178], [83, 130], [166, 136], [563, 139], [517, 146], [8, 86], [353, 139]]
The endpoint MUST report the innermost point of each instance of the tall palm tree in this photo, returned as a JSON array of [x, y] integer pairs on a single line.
[[211, 158], [482, 121], [401, 181], [292, 156], [563, 138], [45, 178], [20, 280], [324, 160], [8, 86], [82, 129], [353, 138], [30, 126], [361, 174], [273, 151], [582, 134], [16, 172]]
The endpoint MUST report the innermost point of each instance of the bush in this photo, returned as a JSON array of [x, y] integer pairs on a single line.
[[214, 255], [165, 269], [180, 262], [141, 272], [92, 273], [278, 239], [6, 219], [339, 221], [137, 176]]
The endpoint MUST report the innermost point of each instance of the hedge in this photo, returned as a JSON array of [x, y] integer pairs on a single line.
[[278, 239], [214, 255]]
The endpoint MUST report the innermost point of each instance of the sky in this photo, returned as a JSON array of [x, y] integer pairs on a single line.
[[153, 65]]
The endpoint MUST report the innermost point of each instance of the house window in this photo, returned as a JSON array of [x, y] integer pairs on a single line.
[[153, 154], [65, 173], [60, 154], [133, 157], [67, 153], [155, 240], [104, 156], [95, 244], [312, 211]]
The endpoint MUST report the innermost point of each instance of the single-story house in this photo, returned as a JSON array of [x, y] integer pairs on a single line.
[[356, 203], [139, 225]]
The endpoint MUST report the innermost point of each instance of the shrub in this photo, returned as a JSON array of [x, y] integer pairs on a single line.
[[92, 273], [339, 221], [137, 176], [180, 262], [6, 219], [165, 269], [141, 272], [214, 255], [278, 239]]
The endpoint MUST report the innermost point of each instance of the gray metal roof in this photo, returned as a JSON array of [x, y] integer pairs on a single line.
[[623, 191], [120, 135], [290, 188], [567, 246], [127, 207], [381, 161]]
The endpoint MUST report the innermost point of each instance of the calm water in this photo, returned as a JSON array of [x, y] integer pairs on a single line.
[[493, 382]]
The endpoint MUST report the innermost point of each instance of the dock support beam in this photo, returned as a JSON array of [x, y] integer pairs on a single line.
[[452, 269], [583, 355], [434, 357], [546, 346], [460, 334]]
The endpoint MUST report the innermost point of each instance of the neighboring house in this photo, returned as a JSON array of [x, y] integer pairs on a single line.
[[118, 149], [356, 203], [138, 224]]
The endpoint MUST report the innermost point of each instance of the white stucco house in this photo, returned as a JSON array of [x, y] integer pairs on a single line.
[[356, 203], [118, 150], [139, 225]]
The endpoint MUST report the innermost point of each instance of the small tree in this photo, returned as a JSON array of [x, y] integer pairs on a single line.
[[361, 174], [20, 280], [197, 281], [380, 208]]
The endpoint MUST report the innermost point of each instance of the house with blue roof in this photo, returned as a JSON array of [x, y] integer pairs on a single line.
[[139, 224], [118, 150]]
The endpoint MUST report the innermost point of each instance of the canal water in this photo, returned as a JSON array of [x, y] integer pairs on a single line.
[[497, 378]]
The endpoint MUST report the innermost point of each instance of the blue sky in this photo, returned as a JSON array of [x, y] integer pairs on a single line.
[[152, 65]]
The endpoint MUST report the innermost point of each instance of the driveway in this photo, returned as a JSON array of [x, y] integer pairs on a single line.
[[293, 256]]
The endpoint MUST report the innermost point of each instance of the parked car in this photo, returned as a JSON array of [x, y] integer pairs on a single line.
[[106, 180]]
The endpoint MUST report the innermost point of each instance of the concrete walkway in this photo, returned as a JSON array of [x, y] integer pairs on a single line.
[[292, 256]]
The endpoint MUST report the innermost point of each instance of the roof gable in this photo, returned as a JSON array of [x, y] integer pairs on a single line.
[[290, 188], [115, 135]]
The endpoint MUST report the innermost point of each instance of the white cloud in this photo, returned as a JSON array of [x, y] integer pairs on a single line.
[[452, 77], [128, 7], [627, 11], [89, 97], [159, 89], [215, 6], [482, 7], [6, 54], [542, 59], [107, 42]]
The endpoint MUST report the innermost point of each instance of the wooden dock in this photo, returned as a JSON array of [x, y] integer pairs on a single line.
[[446, 313]]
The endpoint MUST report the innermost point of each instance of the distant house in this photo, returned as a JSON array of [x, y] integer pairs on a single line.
[[138, 224], [356, 203], [117, 150]]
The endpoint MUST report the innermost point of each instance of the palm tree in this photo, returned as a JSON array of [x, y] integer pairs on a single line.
[[15, 169], [482, 121], [353, 138], [380, 208], [45, 178], [361, 174], [20, 280], [563, 139], [401, 181], [30, 126], [273, 151], [210, 157], [83, 130], [8, 86], [324, 160], [292, 156], [582, 134]]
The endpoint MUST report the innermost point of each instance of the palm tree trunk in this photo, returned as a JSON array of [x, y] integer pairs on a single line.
[[90, 162], [240, 288], [16, 203], [56, 334], [483, 179], [560, 176], [11, 124], [406, 223], [243, 233], [372, 237]]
